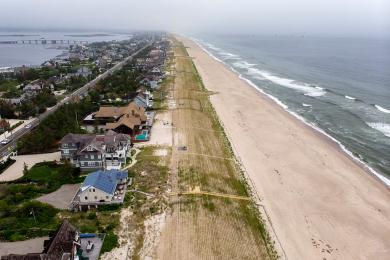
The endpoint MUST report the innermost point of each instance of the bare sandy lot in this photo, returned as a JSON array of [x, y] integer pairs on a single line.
[[62, 197], [22, 247], [321, 203], [162, 129], [15, 171]]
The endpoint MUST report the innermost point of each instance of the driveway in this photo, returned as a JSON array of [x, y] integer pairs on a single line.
[[22, 247], [15, 171], [62, 197]]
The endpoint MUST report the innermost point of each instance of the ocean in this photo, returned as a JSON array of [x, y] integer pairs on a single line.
[[15, 55], [339, 86]]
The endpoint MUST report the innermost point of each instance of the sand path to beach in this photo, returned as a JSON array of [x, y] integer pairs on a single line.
[[321, 203]]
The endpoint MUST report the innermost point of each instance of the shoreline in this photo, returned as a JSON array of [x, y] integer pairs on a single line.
[[381, 178], [304, 208]]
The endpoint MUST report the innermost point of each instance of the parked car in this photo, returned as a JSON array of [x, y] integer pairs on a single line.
[[28, 126]]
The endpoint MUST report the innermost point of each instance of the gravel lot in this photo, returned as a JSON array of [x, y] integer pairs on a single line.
[[62, 197]]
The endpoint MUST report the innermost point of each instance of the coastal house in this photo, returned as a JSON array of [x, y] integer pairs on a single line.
[[143, 99], [32, 89], [128, 119], [101, 187], [93, 152], [83, 72], [63, 244]]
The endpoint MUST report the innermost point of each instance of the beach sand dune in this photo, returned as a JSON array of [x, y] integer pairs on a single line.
[[322, 204]]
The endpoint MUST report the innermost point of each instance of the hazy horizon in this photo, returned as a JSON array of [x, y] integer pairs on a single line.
[[361, 18]]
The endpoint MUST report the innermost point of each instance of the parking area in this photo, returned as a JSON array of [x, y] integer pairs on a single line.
[[15, 171], [62, 197]]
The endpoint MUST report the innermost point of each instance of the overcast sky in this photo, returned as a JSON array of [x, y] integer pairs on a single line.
[[338, 17]]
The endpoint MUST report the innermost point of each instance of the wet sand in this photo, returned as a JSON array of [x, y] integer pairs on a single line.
[[322, 204]]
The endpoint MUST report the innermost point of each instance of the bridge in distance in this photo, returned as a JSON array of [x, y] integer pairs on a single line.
[[44, 42]]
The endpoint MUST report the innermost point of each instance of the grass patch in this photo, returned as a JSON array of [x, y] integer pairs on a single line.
[[17, 209], [110, 242]]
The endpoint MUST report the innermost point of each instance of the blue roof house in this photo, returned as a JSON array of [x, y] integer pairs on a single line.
[[103, 187]]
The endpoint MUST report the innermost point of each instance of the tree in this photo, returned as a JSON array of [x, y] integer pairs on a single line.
[[7, 110]]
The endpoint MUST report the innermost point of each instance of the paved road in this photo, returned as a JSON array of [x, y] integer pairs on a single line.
[[5, 149]]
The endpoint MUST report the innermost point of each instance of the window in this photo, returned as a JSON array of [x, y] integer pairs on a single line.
[[93, 190], [65, 151], [86, 197], [95, 197], [92, 156], [85, 164], [65, 145], [96, 163], [91, 163], [89, 148], [106, 197], [86, 156]]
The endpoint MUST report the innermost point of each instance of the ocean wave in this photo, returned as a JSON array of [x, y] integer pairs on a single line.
[[308, 90], [381, 127], [229, 56], [243, 64], [359, 159], [349, 97], [306, 105], [276, 100], [382, 109]]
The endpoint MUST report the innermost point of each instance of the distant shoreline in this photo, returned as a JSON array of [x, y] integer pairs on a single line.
[[89, 35], [311, 189], [18, 35]]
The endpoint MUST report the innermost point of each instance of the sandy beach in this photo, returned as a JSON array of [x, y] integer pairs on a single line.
[[322, 204]]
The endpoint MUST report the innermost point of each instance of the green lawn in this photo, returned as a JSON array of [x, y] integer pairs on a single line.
[[17, 208]]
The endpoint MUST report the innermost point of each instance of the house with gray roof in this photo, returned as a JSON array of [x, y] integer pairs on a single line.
[[94, 152], [100, 188]]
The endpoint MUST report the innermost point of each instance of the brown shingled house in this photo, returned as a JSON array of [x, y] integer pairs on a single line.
[[127, 119], [64, 244]]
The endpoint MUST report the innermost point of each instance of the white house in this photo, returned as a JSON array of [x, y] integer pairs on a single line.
[[103, 187]]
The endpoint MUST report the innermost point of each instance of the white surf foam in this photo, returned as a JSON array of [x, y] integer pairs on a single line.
[[381, 127], [306, 105], [308, 90], [349, 97], [384, 179], [243, 64], [230, 56], [382, 109]]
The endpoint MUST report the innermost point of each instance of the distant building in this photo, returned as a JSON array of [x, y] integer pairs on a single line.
[[83, 72], [32, 89], [143, 99]]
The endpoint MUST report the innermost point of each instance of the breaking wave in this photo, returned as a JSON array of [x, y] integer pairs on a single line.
[[381, 127], [382, 109]]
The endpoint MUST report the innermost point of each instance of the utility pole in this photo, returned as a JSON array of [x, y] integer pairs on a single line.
[[33, 213], [77, 121]]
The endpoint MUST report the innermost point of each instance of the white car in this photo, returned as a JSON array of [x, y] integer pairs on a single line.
[[6, 141], [28, 126]]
